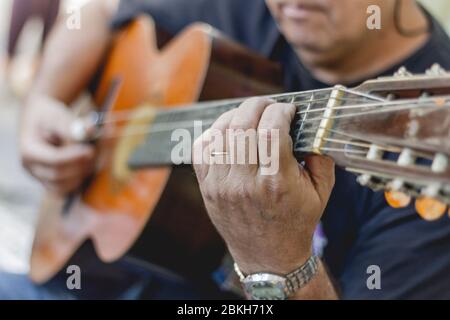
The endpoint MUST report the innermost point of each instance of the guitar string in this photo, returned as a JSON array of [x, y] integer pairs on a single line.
[[357, 143], [401, 108], [308, 148], [234, 103], [120, 116], [374, 105], [187, 124], [311, 150], [368, 145], [213, 104], [414, 103]]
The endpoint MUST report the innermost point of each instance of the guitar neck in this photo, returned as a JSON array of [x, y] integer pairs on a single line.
[[391, 144], [161, 138]]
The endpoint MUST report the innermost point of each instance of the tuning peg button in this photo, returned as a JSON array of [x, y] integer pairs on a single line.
[[397, 199], [430, 209], [402, 72], [436, 70]]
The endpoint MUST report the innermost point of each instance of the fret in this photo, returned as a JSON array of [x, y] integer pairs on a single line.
[[156, 150]]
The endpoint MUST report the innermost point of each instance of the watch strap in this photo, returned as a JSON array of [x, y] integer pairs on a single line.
[[296, 279], [300, 277]]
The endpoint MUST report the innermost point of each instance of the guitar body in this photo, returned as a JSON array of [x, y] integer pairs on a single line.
[[117, 203]]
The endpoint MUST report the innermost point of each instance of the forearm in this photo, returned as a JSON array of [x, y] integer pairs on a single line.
[[71, 57]]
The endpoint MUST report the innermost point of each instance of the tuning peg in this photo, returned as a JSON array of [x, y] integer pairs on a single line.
[[402, 72], [364, 179], [440, 163], [436, 70], [396, 185], [397, 199], [432, 190], [430, 209], [406, 158], [367, 180]]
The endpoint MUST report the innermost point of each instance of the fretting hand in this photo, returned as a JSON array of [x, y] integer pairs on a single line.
[[267, 221]]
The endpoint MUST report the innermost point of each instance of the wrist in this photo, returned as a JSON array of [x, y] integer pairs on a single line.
[[278, 264], [272, 286]]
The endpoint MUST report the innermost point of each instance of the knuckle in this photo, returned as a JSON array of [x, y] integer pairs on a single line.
[[275, 108], [230, 195], [228, 113], [279, 109], [273, 188], [253, 101], [210, 193], [239, 124], [247, 193], [222, 194], [224, 117]]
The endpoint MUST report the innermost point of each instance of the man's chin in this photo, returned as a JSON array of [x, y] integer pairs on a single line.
[[306, 43], [304, 36]]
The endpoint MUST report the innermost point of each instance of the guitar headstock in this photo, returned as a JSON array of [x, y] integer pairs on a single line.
[[403, 84], [396, 139]]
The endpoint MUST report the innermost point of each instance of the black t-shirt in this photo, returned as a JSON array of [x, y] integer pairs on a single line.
[[361, 229]]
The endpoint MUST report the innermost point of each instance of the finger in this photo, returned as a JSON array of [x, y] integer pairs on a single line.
[[61, 173], [249, 113], [218, 164], [322, 174], [242, 138], [64, 187], [200, 155], [275, 149], [203, 146], [49, 155]]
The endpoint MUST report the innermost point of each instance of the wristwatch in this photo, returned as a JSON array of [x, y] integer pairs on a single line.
[[269, 286]]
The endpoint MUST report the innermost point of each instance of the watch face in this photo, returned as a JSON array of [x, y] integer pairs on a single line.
[[266, 287]]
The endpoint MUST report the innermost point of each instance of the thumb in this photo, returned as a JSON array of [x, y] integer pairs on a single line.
[[321, 172], [50, 155]]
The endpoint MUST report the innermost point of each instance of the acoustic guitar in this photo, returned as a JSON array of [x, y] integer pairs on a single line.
[[393, 133]]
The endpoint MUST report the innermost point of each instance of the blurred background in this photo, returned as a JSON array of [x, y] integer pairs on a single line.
[[19, 194]]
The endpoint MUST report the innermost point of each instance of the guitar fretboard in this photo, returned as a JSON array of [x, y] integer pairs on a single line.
[[156, 150]]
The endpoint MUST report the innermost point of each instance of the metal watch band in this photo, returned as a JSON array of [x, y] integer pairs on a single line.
[[296, 279], [300, 277]]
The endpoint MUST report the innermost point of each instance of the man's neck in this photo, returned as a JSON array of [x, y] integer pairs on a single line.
[[381, 50]]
